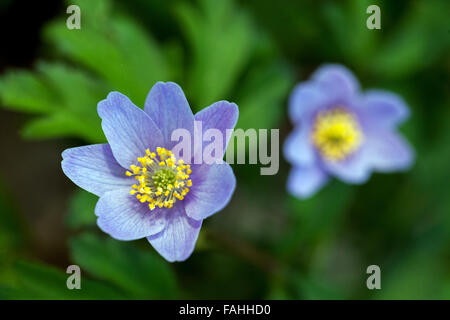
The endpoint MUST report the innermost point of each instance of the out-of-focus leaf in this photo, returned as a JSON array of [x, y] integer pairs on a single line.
[[26, 92], [114, 47], [65, 97], [416, 276], [262, 96], [6, 292], [11, 233], [221, 38], [81, 209], [421, 37], [38, 281], [351, 37], [313, 288], [323, 211], [12, 237], [225, 42], [140, 273], [278, 293]]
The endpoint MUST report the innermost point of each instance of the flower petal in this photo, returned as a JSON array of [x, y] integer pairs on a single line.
[[304, 182], [94, 169], [212, 188], [336, 81], [354, 169], [297, 149], [177, 241], [386, 108], [123, 217], [305, 98], [169, 109], [129, 130], [390, 152], [221, 115], [330, 85]]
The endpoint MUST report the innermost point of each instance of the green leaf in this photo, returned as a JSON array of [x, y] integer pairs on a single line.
[[81, 209], [417, 276], [115, 48], [58, 125], [225, 43], [11, 233], [221, 38], [323, 211], [421, 37], [65, 97], [12, 237], [262, 96], [119, 56], [350, 35], [140, 273], [39, 281], [316, 218], [314, 288], [26, 92]]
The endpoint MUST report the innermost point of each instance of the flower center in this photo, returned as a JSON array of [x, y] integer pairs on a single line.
[[162, 179], [336, 133]]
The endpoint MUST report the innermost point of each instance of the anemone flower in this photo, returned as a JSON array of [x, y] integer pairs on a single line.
[[342, 132], [145, 190]]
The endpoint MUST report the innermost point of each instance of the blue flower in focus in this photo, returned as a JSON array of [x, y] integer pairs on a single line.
[[144, 190], [342, 132]]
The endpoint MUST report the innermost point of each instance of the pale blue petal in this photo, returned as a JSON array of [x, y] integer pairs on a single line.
[[336, 82], [303, 182], [298, 149], [356, 168], [177, 241], [124, 217], [306, 98], [390, 152], [222, 116], [331, 85], [384, 109], [169, 109], [94, 169], [129, 130], [212, 188]]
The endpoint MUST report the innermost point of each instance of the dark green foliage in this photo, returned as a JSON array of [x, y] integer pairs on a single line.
[[265, 244]]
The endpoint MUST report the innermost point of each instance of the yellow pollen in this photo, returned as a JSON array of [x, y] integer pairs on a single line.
[[336, 134], [160, 178]]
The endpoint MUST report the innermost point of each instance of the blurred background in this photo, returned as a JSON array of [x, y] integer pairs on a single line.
[[265, 243]]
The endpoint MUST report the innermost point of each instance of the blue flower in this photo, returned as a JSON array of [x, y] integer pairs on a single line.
[[144, 190], [342, 132]]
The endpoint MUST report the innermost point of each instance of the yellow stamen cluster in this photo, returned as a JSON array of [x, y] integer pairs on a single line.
[[336, 134], [162, 180]]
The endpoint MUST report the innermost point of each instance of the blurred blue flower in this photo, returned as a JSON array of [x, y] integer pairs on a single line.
[[159, 197], [342, 132]]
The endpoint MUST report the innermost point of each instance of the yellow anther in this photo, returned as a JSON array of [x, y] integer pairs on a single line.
[[336, 134], [161, 179]]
